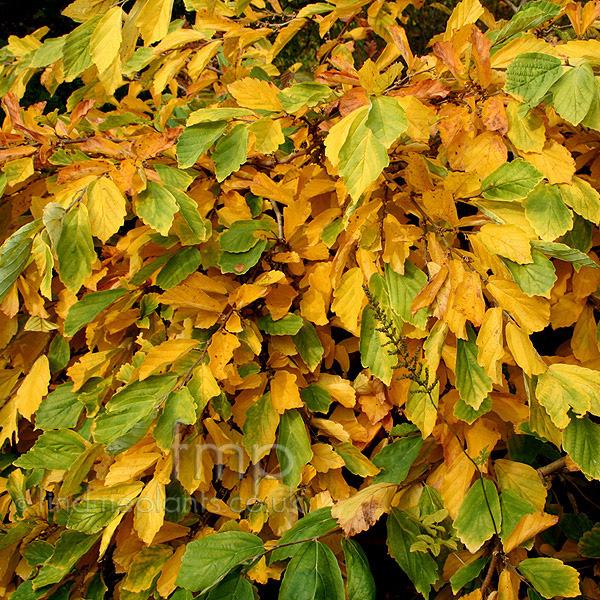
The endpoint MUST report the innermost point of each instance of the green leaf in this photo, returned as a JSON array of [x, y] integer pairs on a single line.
[[575, 525], [403, 289], [183, 263], [551, 577], [396, 458], [299, 95], [573, 93], [260, 427], [474, 523], [309, 345], [315, 523], [547, 213], [316, 398], [179, 408], [75, 248], [56, 449], [91, 516], [467, 573], [374, 354], [471, 380], [76, 49], [582, 198], [564, 252], [402, 533], [230, 152], [69, 548], [581, 440], [536, 278], [240, 262], [360, 584], [293, 447], [530, 15], [386, 119], [513, 508], [589, 542], [233, 587], [511, 181], [59, 409], [156, 207], [468, 414], [240, 236], [87, 309], [14, 255], [129, 406], [208, 560], [531, 75], [356, 461], [362, 158], [313, 574], [289, 324], [196, 140]]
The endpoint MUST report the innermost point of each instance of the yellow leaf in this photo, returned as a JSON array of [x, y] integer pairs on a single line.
[[106, 208], [485, 154], [348, 298], [531, 314], [554, 162], [34, 387], [165, 585], [525, 355], [153, 20], [508, 585], [255, 93], [509, 241], [419, 118], [18, 170], [490, 344], [220, 351], [150, 511], [165, 354], [339, 388], [527, 133], [325, 458], [8, 421], [465, 13], [284, 36], [528, 527], [522, 479], [177, 38], [284, 392], [106, 39], [584, 342], [199, 61], [359, 512]]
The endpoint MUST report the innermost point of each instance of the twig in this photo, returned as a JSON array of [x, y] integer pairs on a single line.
[[279, 218], [490, 572], [557, 465]]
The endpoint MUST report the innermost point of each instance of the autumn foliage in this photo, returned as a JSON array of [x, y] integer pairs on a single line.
[[248, 311]]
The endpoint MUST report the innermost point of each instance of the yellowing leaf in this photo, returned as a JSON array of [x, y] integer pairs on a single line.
[[522, 479], [268, 135], [33, 388], [106, 208], [255, 93], [106, 39], [165, 354]]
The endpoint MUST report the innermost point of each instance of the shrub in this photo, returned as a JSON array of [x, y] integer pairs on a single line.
[[245, 314]]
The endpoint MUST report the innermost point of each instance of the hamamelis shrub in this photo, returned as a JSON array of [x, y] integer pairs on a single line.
[[248, 311]]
